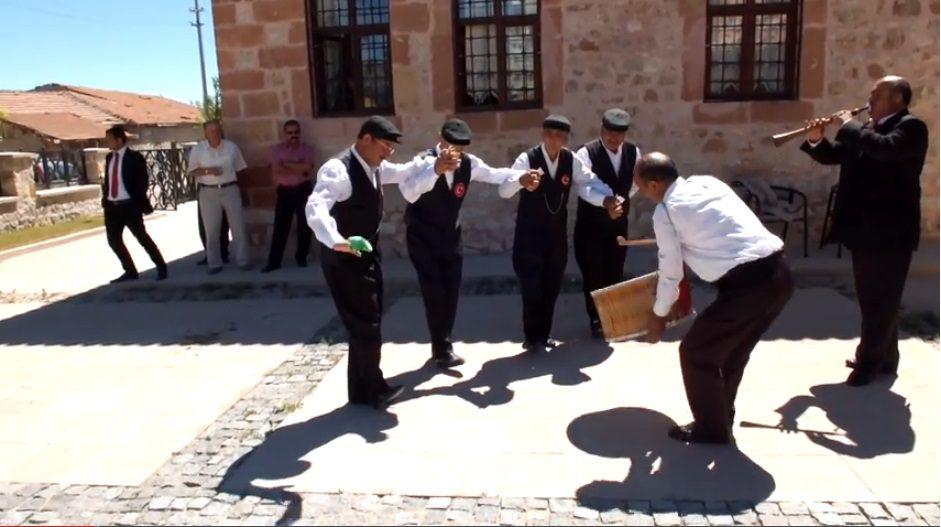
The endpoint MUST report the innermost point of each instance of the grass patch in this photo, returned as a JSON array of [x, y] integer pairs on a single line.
[[29, 235]]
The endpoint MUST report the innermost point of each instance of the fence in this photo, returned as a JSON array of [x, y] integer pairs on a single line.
[[169, 185], [60, 168]]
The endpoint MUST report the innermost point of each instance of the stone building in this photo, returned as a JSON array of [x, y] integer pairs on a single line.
[[706, 81]]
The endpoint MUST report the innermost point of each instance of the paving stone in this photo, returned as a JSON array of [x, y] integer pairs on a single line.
[[179, 504], [161, 503], [899, 511], [463, 504], [537, 504], [639, 519], [768, 508], [585, 513], [929, 512], [772, 519], [695, 519], [820, 507], [460, 516], [562, 505], [513, 503], [875, 511], [913, 521], [490, 501], [438, 503], [801, 520], [842, 507], [667, 518], [487, 514], [511, 517], [613, 516], [828, 518], [215, 508], [406, 518], [391, 499], [855, 519], [791, 508], [884, 522], [560, 518], [720, 519]]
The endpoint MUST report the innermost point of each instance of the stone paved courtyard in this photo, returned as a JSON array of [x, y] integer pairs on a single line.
[[184, 393]]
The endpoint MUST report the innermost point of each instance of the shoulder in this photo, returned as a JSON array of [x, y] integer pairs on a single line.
[[231, 146], [912, 122], [334, 167]]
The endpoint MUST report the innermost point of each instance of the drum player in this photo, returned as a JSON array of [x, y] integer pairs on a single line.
[[700, 221]]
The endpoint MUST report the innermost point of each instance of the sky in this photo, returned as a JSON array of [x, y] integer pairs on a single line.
[[142, 46]]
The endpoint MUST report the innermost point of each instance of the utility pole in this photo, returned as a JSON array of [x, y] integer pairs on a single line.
[[202, 59]]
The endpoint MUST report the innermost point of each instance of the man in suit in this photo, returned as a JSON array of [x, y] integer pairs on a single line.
[[877, 214], [124, 200], [540, 243], [599, 256], [347, 201]]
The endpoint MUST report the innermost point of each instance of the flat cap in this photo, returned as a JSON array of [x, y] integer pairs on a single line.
[[380, 128], [456, 132], [616, 120], [557, 122]]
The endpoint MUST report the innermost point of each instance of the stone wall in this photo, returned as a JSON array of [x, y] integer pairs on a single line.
[[644, 55], [22, 205]]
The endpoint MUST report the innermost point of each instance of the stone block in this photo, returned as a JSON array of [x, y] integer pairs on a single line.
[[283, 56], [240, 36], [235, 81], [278, 10], [411, 17], [261, 104], [16, 174]]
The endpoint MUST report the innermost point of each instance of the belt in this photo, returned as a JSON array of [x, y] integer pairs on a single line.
[[120, 202], [754, 271], [220, 185]]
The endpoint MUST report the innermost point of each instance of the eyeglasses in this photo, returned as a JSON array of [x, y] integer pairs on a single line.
[[388, 145], [293, 133]]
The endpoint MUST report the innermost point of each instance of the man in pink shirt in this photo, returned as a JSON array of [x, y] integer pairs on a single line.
[[292, 168]]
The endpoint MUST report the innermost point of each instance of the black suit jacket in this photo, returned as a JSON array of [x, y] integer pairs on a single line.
[[878, 205], [135, 177]]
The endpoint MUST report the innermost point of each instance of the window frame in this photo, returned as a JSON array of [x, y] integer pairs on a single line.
[[749, 10], [501, 22], [354, 34]]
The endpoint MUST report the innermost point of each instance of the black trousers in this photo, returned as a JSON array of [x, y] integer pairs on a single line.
[[356, 287], [540, 268], [289, 205], [119, 216], [880, 281], [439, 271], [600, 259], [714, 353], [223, 233]]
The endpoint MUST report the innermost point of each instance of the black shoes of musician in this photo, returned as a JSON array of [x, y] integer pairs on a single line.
[[385, 397], [885, 370], [859, 378], [161, 273], [214, 270], [447, 359], [596, 331], [126, 277], [268, 268], [689, 434], [540, 347]]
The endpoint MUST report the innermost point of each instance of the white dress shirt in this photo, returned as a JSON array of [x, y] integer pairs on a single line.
[[703, 222], [117, 158], [334, 185], [412, 189], [226, 156], [589, 187], [615, 158]]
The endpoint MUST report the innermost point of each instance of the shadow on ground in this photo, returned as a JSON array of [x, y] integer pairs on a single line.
[[660, 468]]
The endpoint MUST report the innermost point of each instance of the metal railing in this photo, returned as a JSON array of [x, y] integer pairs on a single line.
[[60, 168], [169, 185]]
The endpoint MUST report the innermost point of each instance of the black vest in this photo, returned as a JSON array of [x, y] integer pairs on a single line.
[[435, 218], [361, 214], [546, 208], [619, 182]]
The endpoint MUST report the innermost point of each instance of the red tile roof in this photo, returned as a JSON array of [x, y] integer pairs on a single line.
[[63, 126]]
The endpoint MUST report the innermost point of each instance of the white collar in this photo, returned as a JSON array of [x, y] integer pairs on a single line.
[[610, 153], [545, 154], [120, 151], [671, 189]]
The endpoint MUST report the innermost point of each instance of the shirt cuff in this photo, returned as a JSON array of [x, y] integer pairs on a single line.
[[813, 144], [662, 307]]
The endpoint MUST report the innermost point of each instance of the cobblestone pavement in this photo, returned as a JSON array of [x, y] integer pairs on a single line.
[[184, 491]]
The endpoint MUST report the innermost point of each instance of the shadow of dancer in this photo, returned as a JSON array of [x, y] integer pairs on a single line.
[[876, 420], [663, 469], [281, 454], [491, 385]]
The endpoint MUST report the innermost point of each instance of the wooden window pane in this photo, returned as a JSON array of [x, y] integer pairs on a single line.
[[333, 13], [520, 7], [375, 64], [519, 53], [482, 79], [475, 8], [371, 12]]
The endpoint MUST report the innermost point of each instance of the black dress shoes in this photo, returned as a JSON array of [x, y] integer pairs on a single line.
[[688, 434], [268, 268], [204, 261], [126, 277], [162, 273], [859, 378], [885, 370], [537, 347], [447, 359], [385, 397]]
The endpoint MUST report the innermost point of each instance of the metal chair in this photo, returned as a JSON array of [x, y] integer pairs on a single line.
[[826, 221], [788, 194]]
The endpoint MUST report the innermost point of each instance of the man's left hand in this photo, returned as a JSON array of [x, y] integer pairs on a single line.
[[655, 326], [613, 205]]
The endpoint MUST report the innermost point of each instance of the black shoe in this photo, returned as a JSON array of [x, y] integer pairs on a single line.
[[204, 261], [126, 277], [688, 434], [859, 378], [537, 347], [386, 397], [268, 268], [447, 359], [885, 370], [161, 273], [552, 344], [214, 270]]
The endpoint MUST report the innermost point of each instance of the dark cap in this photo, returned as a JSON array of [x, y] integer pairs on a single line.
[[616, 120], [557, 122], [456, 132], [380, 128]]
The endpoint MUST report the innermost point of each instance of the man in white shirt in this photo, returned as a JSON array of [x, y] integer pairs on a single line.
[[540, 244], [215, 163], [433, 232], [599, 255], [347, 201], [702, 222]]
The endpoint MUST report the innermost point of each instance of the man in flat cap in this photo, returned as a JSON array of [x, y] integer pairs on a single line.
[[540, 244], [347, 201], [433, 231], [597, 252]]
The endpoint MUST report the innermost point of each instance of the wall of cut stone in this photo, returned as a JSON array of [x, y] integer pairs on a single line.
[[646, 56]]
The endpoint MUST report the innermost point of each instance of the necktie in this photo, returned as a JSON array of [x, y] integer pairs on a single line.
[[113, 187]]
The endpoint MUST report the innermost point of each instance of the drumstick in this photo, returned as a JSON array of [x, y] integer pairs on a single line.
[[624, 242], [749, 424]]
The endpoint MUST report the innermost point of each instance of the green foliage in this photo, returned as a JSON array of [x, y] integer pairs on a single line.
[[211, 108]]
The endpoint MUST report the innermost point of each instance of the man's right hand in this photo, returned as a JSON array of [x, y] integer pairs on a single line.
[[817, 128], [530, 180], [345, 248], [448, 161]]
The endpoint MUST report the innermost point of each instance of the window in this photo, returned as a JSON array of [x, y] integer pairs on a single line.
[[352, 66], [496, 57], [751, 49]]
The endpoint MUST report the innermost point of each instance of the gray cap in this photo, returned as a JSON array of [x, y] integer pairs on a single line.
[[456, 132], [557, 122], [616, 120], [380, 128]]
